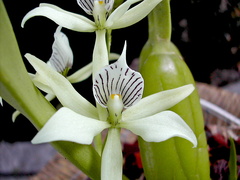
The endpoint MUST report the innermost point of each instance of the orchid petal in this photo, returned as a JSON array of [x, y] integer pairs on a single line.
[[1, 101], [113, 56], [111, 167], [62, 88], [119, 12], [158, 102], [61, 17], [118, 78], [62, 55], [86, 71], [160, 127], [15, 115], [41, 83], [81, 74], [134, 15], [50, 97], [66, 125]]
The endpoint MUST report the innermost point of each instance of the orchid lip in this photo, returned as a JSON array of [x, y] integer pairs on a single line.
[[118, 78], [88, 5], [62, 56]]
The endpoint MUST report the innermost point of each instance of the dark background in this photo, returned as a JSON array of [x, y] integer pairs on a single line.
[[206, 32]]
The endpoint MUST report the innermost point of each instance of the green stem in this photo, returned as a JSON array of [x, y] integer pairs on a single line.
[[233, 175], [160, 22]]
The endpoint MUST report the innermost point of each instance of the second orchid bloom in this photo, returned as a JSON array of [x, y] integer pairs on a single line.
[[118, 89]]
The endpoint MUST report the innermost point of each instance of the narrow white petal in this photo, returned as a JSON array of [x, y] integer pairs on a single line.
[[41, 83], [62, 88], [86, 71], [135, 14], [66, 125], [1, 101], [113, 56], [161, 127], [158, 102], [50, 97], [81, 74], [119, 12], [15, 115], [111, 167], [118, 78], [62, 55], [61, 17]]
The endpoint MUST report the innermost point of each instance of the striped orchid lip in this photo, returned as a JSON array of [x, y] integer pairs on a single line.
[[118, 79], [62, 55], [88, 5]]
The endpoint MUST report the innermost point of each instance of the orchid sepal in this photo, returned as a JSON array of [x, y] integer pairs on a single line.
[[160, 127], [157, 102], [81, 74], [61, 17], [62, 127], [112, 156], [131, 16], [59, 86]]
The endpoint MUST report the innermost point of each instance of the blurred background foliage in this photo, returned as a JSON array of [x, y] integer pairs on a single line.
[[206, 32]]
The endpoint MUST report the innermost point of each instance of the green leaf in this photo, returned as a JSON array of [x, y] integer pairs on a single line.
[[17, 89], [233, 175]]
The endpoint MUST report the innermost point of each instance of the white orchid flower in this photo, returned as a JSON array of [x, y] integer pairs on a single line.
[[118, 89], [100, 9], [61, 61]]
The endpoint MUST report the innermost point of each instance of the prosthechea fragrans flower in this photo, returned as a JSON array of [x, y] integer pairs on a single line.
[[104, 21], [119, 89], [121, 17], [61, 61]]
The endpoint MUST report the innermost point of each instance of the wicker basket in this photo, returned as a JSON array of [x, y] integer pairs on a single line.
[[60, 168]]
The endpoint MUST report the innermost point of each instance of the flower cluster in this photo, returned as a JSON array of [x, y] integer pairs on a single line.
[[119, 89], [116, 88]]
